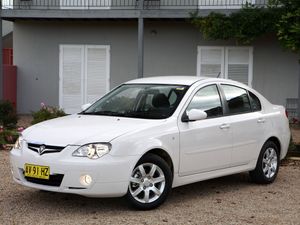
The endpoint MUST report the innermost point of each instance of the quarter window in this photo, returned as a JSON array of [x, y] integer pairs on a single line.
[[208, 100], [254, 101], [237, 99]]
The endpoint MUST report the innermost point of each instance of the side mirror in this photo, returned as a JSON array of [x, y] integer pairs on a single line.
[[194, 115], [85, 106]]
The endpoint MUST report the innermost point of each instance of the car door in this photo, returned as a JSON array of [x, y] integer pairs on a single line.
[[247, 123], [205, 145]]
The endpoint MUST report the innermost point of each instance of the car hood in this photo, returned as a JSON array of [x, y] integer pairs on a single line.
[[83, 129]]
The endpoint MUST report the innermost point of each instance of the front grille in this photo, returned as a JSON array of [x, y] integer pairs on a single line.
[[54, 180], [42, 149]]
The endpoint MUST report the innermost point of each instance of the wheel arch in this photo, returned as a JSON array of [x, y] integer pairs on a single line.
[[163, 154], [276, 141]]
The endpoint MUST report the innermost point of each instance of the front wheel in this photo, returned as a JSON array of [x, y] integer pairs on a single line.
[[267, 165], [150, 182]]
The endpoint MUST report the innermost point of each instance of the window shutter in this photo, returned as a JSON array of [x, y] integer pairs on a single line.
[[238, 64], [71, 78], [211, 61], [96, 72]]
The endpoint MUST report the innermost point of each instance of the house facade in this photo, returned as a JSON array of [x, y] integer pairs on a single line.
[[7, 34], [71, 52]]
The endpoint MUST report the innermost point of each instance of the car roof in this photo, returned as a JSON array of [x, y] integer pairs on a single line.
[[178, 80]]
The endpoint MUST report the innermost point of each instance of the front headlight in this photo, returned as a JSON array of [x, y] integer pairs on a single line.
[[93, 150], [19, 143]]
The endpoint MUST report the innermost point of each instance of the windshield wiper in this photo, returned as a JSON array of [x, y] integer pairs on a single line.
[[132, 114]]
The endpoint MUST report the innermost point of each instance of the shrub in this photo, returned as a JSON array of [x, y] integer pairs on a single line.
[[8, 136], [46, 113], [8, 115]]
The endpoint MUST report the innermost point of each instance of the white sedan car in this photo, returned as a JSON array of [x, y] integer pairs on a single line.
[[149, 135]]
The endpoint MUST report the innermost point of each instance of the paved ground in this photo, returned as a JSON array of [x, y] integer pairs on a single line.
[[228, 200]]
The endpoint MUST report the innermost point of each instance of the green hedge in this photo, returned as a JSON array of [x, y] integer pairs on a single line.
[[46, 113], [8, 115]]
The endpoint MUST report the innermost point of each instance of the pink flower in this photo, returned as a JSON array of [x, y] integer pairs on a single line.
[[20, 129], [1, 129], [43, 105]]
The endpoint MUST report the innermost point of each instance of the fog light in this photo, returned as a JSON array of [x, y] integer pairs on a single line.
[[86, 180]]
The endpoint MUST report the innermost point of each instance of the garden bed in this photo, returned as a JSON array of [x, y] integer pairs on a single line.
[[12, 125]]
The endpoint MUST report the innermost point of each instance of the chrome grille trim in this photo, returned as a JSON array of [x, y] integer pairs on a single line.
[[47, 148]]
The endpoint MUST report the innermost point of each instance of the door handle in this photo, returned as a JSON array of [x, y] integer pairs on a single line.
[[225, 126], [261, 120]]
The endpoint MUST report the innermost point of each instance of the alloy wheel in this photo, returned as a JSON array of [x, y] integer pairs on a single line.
[[270, 162], [147, 183]]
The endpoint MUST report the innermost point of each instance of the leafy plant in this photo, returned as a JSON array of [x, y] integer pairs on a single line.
[[8, 116], [8, 136], [280, 16], [243, 26], [213, 27], [46, 113], [289, 30]]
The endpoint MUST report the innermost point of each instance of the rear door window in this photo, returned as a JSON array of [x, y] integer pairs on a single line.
[[237, 99]]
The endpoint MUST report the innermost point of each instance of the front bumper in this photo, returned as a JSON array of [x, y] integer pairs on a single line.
[[110, 174]]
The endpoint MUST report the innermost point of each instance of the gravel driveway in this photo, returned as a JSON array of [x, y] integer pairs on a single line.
[[228, 200]]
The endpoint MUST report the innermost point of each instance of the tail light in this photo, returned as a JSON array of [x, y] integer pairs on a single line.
[[287, 114]]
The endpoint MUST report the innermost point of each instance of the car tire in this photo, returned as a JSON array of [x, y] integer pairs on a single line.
[[267, 165], [150, 182]]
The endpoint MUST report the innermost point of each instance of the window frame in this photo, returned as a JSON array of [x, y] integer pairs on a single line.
[[225, 109]]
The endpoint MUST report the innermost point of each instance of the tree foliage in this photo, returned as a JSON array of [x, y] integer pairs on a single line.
[[288, 27], [251, 22]]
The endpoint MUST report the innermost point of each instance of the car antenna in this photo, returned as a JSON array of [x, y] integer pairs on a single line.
[[219, 74]]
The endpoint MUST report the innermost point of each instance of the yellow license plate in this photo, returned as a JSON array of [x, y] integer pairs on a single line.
[[36, 171]]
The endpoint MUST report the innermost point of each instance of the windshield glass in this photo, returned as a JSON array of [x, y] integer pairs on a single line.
[[148, 101]]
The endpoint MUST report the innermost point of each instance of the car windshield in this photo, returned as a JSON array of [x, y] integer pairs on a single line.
[[147, 101]]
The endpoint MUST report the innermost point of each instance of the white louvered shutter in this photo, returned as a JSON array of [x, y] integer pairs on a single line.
[[96, 72], [210, 61], [238, 64], [71, 78]]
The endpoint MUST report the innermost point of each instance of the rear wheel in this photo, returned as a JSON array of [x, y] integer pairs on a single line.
[[267, 165], [150, 182]]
